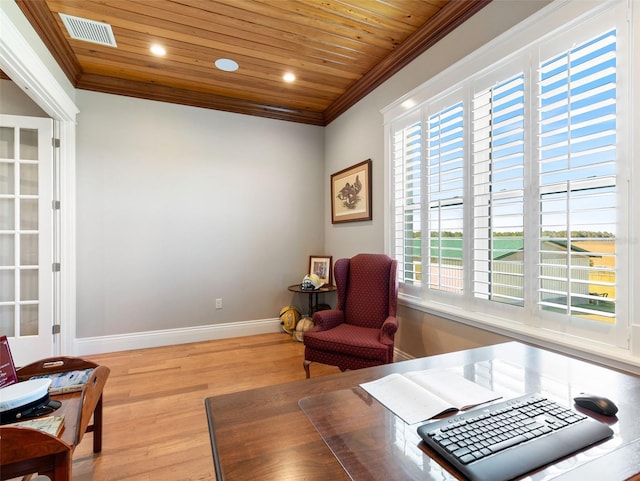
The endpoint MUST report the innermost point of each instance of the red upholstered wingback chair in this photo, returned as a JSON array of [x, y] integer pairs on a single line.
[[360, 331]]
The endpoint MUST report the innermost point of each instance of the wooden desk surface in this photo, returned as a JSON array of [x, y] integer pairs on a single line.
[[262, 434]]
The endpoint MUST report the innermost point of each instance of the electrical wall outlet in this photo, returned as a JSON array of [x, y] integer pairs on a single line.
[[218, 303]]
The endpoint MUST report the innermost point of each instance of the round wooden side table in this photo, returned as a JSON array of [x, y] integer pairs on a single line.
[[313, 294]]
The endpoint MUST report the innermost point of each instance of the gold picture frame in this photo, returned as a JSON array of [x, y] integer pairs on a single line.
[[351, 194], [321, 266]]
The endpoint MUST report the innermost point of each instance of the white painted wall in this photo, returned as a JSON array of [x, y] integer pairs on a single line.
[[178, 206], [13, 101]]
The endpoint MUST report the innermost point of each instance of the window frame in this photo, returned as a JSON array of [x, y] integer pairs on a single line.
[[551, 23]]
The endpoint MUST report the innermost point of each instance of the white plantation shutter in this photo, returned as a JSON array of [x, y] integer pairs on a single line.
[[445, 192], [577, 177], [407, 185], [498, 191]]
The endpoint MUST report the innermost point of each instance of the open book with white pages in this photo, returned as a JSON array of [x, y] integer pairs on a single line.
[[420, 395]]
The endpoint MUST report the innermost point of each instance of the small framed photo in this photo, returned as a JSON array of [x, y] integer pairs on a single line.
[[351, 193], [321, 266]]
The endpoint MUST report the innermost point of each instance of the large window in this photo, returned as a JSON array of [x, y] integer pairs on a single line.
[[506, 184]]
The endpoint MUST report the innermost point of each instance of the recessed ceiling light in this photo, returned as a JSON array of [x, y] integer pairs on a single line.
[[226, 64], [289, 77], [158, 50]]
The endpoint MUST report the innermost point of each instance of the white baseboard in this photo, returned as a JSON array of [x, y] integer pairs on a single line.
[[140, 340], [168, 337], [399, 355]]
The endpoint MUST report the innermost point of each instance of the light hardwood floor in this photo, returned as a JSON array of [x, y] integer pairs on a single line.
[[155, 427]]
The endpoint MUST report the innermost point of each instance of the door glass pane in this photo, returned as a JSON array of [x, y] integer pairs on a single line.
[[28, 179], [7, 180], [7, 214], [7, 326], [29, 320], [7, 250], [7, 143], [29, 249], [28, 284], [7, 286], [28, 214], [28, 144], [26, 161]]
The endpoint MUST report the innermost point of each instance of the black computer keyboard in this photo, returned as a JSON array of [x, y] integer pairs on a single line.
[[508, 439]]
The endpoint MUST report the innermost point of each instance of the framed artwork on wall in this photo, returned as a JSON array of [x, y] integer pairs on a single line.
[[351, 193], [321, 266]]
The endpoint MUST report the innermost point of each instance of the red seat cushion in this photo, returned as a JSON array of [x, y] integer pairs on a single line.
[[362, 342]]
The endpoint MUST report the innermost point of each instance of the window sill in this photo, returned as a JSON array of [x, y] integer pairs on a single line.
[[610, 356]]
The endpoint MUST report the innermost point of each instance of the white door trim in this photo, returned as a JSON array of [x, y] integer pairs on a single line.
[[23, 65]]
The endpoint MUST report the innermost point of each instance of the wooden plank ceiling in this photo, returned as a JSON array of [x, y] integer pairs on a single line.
[[338, 50]]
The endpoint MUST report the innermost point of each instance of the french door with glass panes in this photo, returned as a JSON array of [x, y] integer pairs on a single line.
[[26, 236]]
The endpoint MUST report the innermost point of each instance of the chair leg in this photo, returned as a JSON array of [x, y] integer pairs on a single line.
[[305, 364], [97, 427]]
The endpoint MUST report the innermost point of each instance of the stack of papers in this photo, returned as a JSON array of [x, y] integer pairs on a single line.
[[49, 424], [420, 395]]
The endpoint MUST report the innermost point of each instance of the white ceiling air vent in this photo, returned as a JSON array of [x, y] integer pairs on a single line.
[[89, 30]]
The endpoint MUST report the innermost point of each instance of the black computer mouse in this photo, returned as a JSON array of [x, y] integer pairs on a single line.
[[597, 404]]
